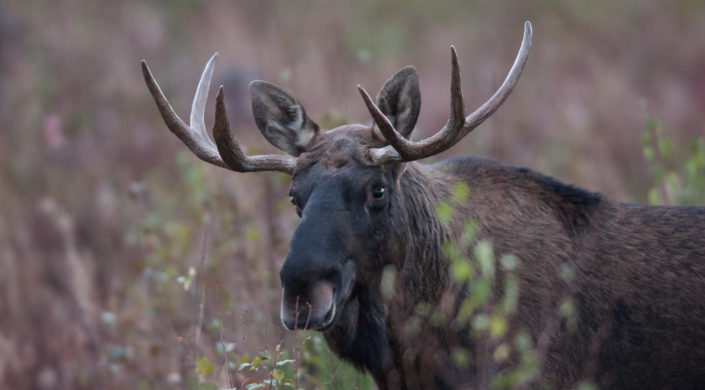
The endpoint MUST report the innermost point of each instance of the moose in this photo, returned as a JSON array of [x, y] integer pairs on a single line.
[[367, 205]]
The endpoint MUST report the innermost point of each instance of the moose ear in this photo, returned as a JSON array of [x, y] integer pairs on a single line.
[[281, 118], [400, 100]]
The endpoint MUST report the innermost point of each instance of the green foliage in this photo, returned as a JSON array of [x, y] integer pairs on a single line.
[[493, 294], [388, 281], [309, 364], [493, 290], [324, 370], [204, 367], [676, 181]]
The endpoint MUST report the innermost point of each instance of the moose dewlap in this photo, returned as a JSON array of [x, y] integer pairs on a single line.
[[630, 313]]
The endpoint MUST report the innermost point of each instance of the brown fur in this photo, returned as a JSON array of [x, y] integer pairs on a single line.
[[638, 286]]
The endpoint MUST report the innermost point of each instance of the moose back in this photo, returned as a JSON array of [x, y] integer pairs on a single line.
[[367, 206]]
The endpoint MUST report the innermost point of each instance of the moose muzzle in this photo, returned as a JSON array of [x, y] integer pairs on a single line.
[[312, 309]]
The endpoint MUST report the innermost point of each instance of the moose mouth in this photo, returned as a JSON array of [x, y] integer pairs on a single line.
[[328, 320]]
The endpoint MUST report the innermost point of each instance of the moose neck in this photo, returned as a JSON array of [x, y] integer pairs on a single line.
[[421, 276], [422, 270], [502, 200]]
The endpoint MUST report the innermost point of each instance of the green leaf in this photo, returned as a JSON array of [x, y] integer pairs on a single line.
[[117, 353], [460, 191], [203, 366], [522, 341], [567, 308], [498, 326], [284, 362], [467, 308], [423, 309], [480, 322], [569, 312], [461, 357], [388, 281], [460, 270], [485, 256], [285, 75], [444, 212], [207, 386], [255, 362], [502, 352], [657, 173], [108, 318], [469, 232], [566, 272], [244, 366], [648, 153], [229, 347], [480, 291], [509, 262], [252, 234], [278, 374], [645, 138], [511, 294], [664, 148], [653, 197], [586, 386]]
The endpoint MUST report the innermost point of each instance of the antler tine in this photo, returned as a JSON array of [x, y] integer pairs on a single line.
[[233, 154], [457, 105], [490, 106], [457, 126], [200, 98], [195, 138], [225, 152], [396, 140]]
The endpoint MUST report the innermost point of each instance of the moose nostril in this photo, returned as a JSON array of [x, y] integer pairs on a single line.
[[299, 276]]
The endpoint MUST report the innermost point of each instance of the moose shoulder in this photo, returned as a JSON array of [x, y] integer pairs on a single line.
[[367, 206]]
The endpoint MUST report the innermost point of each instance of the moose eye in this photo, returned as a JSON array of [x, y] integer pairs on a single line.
[[378, 192], [293, 201]]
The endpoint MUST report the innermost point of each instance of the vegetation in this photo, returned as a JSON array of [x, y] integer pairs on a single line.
[[676, 181], [127, 263]]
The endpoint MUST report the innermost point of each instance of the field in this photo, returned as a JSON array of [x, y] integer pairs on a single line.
[[126, 262]]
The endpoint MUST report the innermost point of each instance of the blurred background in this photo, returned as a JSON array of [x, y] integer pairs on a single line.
[[126, 262]]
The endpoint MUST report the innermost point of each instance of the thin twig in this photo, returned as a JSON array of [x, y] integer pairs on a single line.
[[277, 351], [199, 281], [222, 342], [335, 373], [297, 352]]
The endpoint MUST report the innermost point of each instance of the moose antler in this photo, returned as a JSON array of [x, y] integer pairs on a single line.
[[225, 152], [458, 126]]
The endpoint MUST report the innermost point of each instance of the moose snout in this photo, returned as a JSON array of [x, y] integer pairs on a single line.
[[312, 308], [308, 293]]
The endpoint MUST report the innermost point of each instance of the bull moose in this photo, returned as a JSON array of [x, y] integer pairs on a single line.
[[367, 205]]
